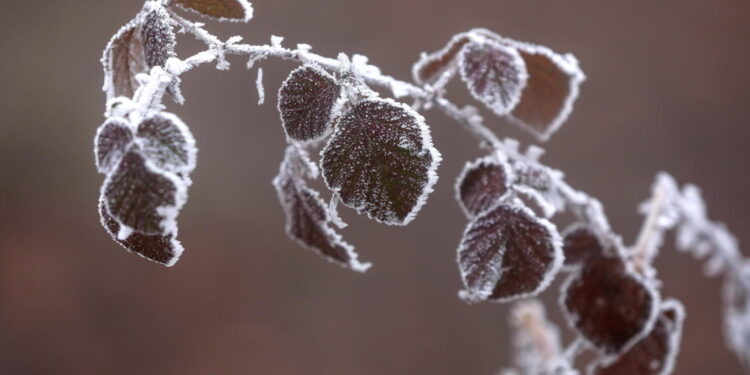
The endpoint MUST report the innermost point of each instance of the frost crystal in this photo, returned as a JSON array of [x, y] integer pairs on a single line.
[[507, 253], [307, 219], [307, 102], [380, 160], [260, 88]]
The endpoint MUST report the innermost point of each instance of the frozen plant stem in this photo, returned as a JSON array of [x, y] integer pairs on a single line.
[[511, 248]]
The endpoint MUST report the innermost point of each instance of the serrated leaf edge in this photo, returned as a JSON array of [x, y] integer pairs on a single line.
[[549, 276], [518, 63], [427, 145]]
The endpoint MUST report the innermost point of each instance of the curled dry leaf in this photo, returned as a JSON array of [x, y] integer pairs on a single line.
[[111, 142], [551, 89], [167, 142], [431, 67], [307, 100], [608, 304], [655, 354], [164, 249], [123, 59], [380, 160], [224, 10], [481, 185], [307, 219], [145, 42], [141, 197], [580, 243], [494, 74], [507, 253]]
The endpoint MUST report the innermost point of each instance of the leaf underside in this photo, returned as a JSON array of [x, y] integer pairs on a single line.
[[429, 69], [124, 59], [307, 219], [380, 161]]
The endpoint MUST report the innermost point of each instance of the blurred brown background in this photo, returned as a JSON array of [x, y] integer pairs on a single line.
[[668, 89]]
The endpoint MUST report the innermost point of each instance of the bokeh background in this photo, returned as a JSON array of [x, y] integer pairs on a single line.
[[668, 88]]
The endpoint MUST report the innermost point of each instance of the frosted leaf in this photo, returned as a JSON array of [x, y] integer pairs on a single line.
[[306, 103], [159, 42], [142, 198], [167, 142], [655, 354], [307, 218], [481, 184], [507, 253], [111, 143], [381, 161], [224, 10], [158, 38], [431, 67], [124, 59], [580, 243], [164, 249], [608, 304], [494, 74]]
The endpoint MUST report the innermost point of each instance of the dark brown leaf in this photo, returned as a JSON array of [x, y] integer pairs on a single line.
[[655, 354], [141, 198], [225, 10], [306, 103], [307, 218], [507, 253], [380, 160], [609, 305], [158, 38], [495, 74], [167, 142], [112, 141], [164, 249], [580, 243], [481, 185]]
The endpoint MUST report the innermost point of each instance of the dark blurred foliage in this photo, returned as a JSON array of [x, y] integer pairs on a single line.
[[668, 89]]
